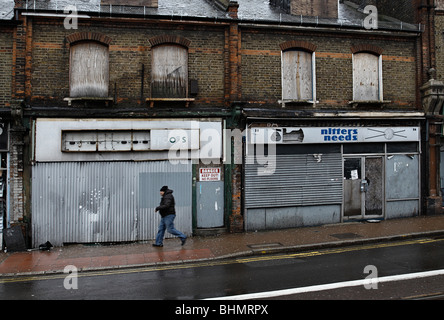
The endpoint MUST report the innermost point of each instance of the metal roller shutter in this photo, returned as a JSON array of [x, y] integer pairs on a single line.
[[299, 180], [87, 202]]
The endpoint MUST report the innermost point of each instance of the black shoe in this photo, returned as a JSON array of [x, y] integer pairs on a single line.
[[183, 241], [157, 245]]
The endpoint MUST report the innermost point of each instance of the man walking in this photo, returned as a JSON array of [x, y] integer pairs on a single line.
[[168, 213]]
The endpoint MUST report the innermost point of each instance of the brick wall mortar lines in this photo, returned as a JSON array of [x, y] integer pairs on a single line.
[[129, 49], [6, 50], [439, 38], [231, 63], [16, 177], [261, 68], [315, 8]]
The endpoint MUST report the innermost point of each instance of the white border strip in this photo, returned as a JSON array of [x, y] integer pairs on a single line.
[[322, 287]]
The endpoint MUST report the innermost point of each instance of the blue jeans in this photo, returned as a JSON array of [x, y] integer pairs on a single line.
[[167, 223]]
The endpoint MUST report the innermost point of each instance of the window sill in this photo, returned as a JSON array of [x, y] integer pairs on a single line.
[[85, 99], [296, 102], [187, 101], [368, 103]]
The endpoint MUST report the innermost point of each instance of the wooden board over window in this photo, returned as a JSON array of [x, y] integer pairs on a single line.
[[365, 77], [297, 75], [89, 71], [169, 72]]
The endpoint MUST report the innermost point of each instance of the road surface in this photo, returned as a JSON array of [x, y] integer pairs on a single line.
[[265, 274]]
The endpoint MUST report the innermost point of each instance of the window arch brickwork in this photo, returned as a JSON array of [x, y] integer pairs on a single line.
[[298, 72], [89, 36], [172, 39], [298, 44], [369, 48]]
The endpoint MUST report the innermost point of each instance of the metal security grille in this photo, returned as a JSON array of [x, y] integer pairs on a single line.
[[92, 202], [299, 180]]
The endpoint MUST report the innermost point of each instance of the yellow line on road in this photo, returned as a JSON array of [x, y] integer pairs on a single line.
[[337, 250], [424, 296], [212, 263]]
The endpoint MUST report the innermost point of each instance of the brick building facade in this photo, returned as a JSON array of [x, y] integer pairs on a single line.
[[213, 66], [438, 85]]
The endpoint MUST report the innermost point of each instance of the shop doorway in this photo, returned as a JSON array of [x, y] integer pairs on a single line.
[[363, 187]]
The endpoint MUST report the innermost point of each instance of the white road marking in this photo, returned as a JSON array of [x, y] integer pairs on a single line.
[[337, 285]]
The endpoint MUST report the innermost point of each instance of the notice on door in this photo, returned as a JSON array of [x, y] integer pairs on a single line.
[[209, 174]]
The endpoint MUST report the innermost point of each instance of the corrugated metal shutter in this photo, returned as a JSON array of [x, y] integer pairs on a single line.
[[90, 202], [299, 180]]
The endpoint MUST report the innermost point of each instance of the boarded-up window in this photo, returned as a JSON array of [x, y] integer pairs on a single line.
[[297, 75], [169, 72], [89, 74], [366, 77]]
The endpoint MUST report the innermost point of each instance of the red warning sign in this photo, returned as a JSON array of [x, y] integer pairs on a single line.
[[209, 174]]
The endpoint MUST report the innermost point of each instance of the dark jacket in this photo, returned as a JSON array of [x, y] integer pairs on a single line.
[[167, 204]]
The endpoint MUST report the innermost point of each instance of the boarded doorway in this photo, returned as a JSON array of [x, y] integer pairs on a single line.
[[363, 187]]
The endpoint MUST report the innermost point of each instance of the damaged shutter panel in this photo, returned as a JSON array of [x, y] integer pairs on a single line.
[[169, 72], [366, 77], [297, 77], [89, 72]]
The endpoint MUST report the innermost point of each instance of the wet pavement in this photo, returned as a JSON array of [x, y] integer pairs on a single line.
[[101, 257]]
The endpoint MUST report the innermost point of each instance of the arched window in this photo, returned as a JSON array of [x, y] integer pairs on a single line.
[[297, 75], [298, 70], [89, 70], [367, 76], [169, 71]]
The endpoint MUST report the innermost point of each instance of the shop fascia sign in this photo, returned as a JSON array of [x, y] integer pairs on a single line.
[[288, 135], [187, 139]]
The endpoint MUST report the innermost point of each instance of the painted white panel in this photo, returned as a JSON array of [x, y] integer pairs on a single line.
[[310, 135], [48, 138], [179, 139]]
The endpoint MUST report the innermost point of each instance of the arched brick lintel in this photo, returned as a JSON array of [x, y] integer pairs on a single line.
[[367, 48], [298, 44], [164, 39], [89, 36]]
